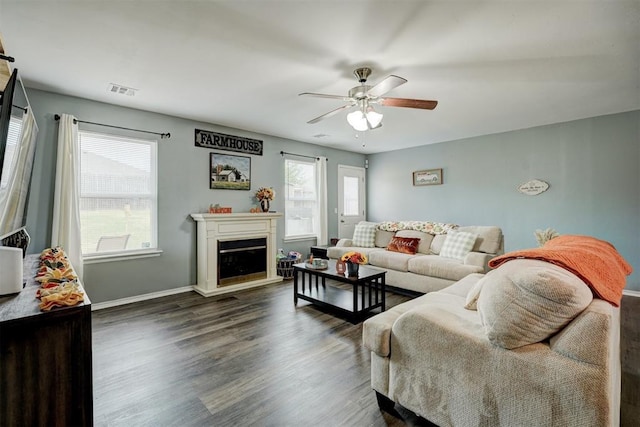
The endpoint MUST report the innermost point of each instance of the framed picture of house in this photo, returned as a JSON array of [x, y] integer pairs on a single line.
[[427, 177], [229, 172]]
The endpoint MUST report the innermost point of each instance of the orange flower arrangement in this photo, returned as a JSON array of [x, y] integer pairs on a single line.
[[354, 257], [265, 193]]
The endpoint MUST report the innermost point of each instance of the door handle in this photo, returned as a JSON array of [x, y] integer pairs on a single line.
[[342, 220]]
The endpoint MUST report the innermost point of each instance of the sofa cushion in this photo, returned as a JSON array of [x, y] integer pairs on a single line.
[[383, 238], [436, 243], [364, 235], [405, 245], [458, 244], [526, 301], [336, 252], [425, 239], [444, 268], [392, 260], [489, 238]]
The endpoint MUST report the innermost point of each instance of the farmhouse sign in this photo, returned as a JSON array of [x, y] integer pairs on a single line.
[[222, 141]]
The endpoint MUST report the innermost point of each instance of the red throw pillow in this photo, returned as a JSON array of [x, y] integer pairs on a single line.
[[405, 245]]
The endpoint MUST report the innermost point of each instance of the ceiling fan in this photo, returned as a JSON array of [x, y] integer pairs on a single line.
[[364, 97]]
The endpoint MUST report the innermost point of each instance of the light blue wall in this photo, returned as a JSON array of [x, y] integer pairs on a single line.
[[592, 165], [183, 188]]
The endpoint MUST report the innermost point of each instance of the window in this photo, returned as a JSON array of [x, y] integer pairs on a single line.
[[301, 216], [118, 193], [15, 128]]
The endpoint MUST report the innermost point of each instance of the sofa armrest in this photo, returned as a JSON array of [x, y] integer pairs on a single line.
[[599, 323], [480, 259], [344, 242], [376, 331]]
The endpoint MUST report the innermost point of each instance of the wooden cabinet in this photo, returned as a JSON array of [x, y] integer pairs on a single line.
[[45, 360]]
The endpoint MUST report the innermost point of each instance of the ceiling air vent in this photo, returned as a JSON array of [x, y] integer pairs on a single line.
[[121, 90]]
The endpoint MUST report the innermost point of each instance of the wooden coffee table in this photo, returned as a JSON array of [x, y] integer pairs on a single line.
[[323, 288]]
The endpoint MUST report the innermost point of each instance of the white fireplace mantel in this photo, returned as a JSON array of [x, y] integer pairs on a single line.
[[212, 228]]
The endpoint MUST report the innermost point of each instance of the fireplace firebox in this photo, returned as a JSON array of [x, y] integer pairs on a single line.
[[241, 260]]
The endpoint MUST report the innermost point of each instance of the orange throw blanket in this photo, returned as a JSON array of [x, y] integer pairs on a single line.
[[595, 261]]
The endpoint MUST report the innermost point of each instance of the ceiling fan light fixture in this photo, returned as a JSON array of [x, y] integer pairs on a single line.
[[357, 120], [361, 121], [374, 118]]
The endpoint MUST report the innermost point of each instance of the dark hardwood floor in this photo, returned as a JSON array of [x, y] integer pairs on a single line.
[[253, 358]]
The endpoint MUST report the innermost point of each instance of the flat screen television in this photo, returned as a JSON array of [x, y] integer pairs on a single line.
[[5, 115], [13, 233]]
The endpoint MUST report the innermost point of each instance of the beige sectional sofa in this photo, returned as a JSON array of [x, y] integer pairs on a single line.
[[534, 342], [426, 270], [432, 356]]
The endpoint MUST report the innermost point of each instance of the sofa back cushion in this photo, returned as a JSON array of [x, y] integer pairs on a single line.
[[489, 238], [437, 242], [383, 238], [404, 245], [364, 235], [458, 244], [425, 239], [526, 301]]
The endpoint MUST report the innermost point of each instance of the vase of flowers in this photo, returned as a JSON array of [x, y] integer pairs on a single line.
[[353, 260], [265, 195]]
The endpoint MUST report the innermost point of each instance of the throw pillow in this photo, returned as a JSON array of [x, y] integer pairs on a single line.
[[471, 302], [425, 239], [526, 301], [405, 245], [364, 235], [458, 244]]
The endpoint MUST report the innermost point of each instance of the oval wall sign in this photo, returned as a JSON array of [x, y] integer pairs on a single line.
[[533, 187]]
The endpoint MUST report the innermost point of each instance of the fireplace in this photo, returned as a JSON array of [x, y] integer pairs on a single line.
[[235, 251], [241, 261]]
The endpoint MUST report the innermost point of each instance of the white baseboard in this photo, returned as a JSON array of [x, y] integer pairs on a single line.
[[138, 298], [631, 293]]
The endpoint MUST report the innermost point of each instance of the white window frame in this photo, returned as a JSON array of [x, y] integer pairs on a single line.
[[316, 217], [153, 250]]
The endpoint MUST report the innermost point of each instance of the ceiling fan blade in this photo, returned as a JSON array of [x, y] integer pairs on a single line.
[[390, 82], [408, 103], [329, 114], [322, 95]]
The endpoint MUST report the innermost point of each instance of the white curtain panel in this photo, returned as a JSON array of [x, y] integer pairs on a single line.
[[14, 198], [322, 229], [66, 203]]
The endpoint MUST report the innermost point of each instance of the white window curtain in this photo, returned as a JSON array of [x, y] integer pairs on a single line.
[[14, 198], [321, 171], [66, 207]]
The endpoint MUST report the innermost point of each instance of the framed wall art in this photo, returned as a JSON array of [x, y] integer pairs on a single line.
[[427, 177], [229, 172]]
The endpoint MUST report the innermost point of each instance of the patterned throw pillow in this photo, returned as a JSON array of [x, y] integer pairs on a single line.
[[405, 245], [364, 235], [458, 244]]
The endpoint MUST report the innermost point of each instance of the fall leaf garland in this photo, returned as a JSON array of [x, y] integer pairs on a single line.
[[58, 282]]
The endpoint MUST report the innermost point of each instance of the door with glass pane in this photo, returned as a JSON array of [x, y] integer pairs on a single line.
[[351, 199]]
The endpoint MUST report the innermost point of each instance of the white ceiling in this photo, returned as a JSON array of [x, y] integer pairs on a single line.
[[492, 65]]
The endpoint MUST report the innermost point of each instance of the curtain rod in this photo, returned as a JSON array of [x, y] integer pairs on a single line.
[[162, 135], [282, 153]]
